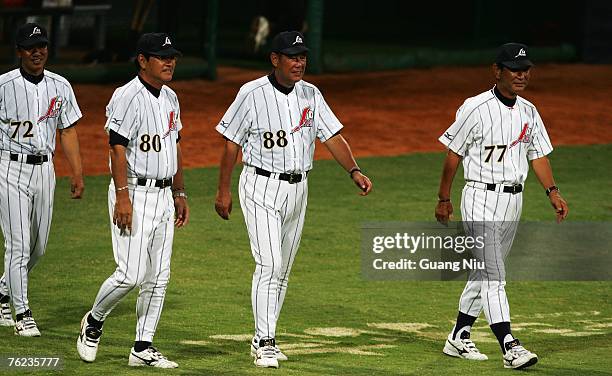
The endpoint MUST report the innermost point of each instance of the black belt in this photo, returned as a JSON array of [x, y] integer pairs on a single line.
[[31, 159], [291, 178], [514, 189], [161, 183]]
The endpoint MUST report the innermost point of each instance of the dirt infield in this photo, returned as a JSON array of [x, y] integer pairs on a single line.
[[385, 113]]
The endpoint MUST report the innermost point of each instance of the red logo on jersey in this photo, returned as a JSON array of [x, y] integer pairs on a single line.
[[305, 120], [54, 108], [171, 124], [523, 137]]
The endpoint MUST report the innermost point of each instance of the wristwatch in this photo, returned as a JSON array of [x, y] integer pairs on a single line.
[[179, 194], [551, 188]]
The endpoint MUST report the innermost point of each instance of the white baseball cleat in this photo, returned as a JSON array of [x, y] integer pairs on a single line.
[[518, 357], [88, 340], [26, 327], [150, 357], [6, 316], [265, 355], [463, 348], [279, 354]]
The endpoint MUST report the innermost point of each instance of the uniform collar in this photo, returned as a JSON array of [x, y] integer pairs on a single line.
[[283, 89], [506, 101], [151, 89], [30, 77]]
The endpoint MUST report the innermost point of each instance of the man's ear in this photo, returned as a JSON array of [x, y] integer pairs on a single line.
[[275, 59]]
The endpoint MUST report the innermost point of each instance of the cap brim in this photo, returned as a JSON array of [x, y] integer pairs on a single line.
[[521, 64], [33, 42], [168, 52], [294, 50]]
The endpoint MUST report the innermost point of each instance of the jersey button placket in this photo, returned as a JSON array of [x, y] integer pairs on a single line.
[[290, 140]]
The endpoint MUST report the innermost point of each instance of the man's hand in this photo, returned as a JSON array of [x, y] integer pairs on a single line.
[[363, 182], [559, 204], [223, 204], [77, 186], [122, 216], [181, 211], [444, 212]]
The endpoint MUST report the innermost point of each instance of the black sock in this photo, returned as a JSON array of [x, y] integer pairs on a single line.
[[141, 345], [463, 320], [93, 322], [5, 298], [20, 316], [501, 330]]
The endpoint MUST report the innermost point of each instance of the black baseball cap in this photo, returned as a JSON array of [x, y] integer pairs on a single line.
[[158, 44], [513, 56], [289, 43], [30, 34]]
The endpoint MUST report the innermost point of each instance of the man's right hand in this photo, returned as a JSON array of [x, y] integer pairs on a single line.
[[444, 212], [223, 204], [122, 217]]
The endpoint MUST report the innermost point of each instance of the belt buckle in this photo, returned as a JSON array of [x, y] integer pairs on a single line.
[[295, 178], [35, 159], [166, 183]]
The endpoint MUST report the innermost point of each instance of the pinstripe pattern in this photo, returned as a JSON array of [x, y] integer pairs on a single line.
[[260, 108], [22, 101], [484, 121], [27, 193], [143, 255], [30, 114], [274, 213]]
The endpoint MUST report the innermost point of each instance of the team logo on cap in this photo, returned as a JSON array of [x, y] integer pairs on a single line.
[[54, 109], [521, 53], [298, 39], [306, 119], [167, 42], [36, 31]]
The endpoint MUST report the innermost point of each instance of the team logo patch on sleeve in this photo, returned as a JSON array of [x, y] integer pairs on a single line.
[[305, 120], [54, 109], [171, 124]]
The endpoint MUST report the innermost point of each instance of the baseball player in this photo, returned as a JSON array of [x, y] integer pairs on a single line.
[[34, 103], [275, 120], [495, 134], [146, 199]]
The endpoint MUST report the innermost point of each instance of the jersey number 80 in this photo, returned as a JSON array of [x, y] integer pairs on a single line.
[[147, 142]]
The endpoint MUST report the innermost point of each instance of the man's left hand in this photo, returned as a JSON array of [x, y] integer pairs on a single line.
[[559, 204], [181, 211], [362, 182]]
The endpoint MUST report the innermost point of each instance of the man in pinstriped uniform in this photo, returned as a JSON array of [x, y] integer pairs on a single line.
[[34, 103], [275, 120], [495, 134], [143, 122]]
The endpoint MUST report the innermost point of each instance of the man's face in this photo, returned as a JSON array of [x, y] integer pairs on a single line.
[[514, 81], [33, 59], [158, 68], [290, 68]]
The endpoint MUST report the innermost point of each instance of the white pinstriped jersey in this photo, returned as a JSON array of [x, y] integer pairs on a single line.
[[31, 113], [277, 132], [497, 141], [150, 124]]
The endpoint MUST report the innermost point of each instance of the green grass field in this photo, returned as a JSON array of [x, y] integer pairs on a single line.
[[334, 322]]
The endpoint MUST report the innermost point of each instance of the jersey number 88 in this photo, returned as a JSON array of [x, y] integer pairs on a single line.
[[280, 142]]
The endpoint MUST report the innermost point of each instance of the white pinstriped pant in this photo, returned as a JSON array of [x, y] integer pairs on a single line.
[[497, 215], [142, 257], [274, 213], [26, 208]]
